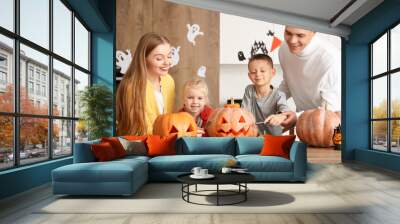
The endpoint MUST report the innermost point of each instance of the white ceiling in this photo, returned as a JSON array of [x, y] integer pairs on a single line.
[[318, 15]]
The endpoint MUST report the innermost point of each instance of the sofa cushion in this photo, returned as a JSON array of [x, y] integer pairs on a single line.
[[135, 137], [134, 147], [206, 145], [185, 163], [116, 145], [103, 152], [257, 163], [277, 145], [249, 145], [161, 145], [111, 171]]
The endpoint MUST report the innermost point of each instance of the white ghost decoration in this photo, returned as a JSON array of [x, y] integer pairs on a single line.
[[201, 72], [124, 59], [175, 55], [193, 32]]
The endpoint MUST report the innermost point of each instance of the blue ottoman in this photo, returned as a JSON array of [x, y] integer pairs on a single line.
[[118, 177]]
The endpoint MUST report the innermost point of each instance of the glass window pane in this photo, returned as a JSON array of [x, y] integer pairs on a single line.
[[81, 45], [81, 131], [379, 55], [7, 14], [33, 139], [379, 97], [62, 89], [81, 81], [395, 47], [379, 135], [6, 142], [35, 21], [395, 136], [395, 94], [62, 29], [34, 97], [62, 138], [6, 74]]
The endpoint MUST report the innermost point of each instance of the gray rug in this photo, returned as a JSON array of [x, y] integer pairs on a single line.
[[166, 198]]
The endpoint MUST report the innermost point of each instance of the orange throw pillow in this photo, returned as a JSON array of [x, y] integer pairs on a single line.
[[161, 145], [116, 145], [135, 137], [103, 151], [277, 145]]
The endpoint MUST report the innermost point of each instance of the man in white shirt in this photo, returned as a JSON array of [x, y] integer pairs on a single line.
[[311, 71]]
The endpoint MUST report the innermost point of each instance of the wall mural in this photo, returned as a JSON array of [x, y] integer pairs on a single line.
[[194, 37]]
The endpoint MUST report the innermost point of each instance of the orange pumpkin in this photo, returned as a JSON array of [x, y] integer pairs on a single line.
[[182, 124], [231, 121], [316, 127]]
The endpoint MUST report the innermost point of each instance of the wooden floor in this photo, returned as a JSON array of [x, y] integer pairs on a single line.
[[378, 189], [323, 155]]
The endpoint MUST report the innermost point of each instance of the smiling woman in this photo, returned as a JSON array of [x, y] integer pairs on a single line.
[[148, 73]]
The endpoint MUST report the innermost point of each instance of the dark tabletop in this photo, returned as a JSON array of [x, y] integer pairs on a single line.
[[220, 178]]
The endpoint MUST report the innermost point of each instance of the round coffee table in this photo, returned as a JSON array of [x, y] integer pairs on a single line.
[[238, 179]]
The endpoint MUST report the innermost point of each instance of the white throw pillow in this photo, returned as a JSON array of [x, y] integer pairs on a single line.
[[135, 147]]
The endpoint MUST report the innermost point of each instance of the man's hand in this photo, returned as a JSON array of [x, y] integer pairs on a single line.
[[290, 120]]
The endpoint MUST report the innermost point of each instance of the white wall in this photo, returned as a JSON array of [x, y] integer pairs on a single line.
[[238, 34]]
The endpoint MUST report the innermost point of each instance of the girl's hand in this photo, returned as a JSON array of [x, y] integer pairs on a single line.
[[275, 119]]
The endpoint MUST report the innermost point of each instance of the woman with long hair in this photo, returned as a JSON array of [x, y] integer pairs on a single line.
[[147, 90]]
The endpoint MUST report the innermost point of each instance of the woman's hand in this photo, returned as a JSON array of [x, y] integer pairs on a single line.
[[200, 132]]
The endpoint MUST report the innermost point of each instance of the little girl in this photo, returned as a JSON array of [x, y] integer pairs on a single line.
[[195, 100]]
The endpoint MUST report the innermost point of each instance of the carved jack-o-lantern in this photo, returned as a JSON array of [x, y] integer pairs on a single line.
[[231, 121], [182, 124]]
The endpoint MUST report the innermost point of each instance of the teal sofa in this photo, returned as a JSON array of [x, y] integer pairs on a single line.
[[125, 176]]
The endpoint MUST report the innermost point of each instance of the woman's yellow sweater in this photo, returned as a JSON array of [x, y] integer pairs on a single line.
[[168, 93]]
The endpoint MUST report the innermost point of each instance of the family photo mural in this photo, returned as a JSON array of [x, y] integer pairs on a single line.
[[169, 78]]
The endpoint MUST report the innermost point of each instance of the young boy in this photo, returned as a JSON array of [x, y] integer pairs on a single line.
[[264, 101], [195, 100]]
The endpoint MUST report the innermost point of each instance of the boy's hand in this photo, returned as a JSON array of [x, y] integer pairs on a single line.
[[200, 132], [275, 119]]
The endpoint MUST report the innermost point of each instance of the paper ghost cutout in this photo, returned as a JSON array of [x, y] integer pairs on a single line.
[[124, 59], [193, 32], [201, 72], [175, 55], [241, 56]]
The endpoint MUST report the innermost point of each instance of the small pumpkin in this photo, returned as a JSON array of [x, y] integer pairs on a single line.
[[337, 136], [231, 121], [316, 127], [182, 124]]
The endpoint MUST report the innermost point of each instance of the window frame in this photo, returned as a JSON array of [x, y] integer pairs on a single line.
[[51, 118], [388, 74]]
